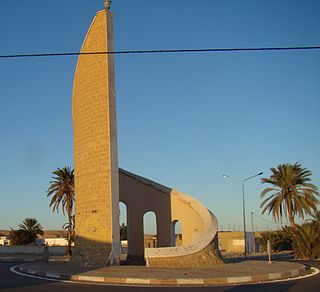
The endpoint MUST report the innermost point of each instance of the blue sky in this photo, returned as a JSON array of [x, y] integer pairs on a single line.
[[183, 120]]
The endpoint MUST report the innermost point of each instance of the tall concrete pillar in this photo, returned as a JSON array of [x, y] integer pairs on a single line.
[[163, 230], [97, 240], [135, 235]]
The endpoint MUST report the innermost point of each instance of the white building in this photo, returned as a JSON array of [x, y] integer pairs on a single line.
[[4, 240]]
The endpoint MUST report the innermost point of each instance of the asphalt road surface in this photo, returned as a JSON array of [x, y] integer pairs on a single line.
[[12, 282]]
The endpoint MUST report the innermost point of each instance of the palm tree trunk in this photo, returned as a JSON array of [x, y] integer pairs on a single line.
[[69, 235], [291, 218]]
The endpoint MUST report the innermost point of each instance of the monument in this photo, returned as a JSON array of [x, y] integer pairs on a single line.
[[95, 147], [100, 184]]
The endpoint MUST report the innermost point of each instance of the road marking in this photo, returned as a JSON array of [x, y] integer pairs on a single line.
[[14, 270]]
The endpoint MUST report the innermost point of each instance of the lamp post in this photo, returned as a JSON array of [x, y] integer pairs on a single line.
[[244, 212], [253, 233]]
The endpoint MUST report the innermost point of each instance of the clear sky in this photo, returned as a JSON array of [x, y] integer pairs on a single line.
[[183, 120]]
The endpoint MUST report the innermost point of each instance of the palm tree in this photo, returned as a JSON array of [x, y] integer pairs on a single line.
[[306, 239], [292, 193], [70, 226], [29, 230], [123, 232], [62, 191]]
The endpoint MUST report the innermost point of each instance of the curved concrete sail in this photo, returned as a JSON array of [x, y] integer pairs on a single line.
[[200, 247]]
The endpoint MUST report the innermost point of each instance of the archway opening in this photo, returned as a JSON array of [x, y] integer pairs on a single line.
[[176, 233], [123, 231], [150, 230]]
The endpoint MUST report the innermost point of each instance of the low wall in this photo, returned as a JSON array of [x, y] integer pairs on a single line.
[[34, 250]]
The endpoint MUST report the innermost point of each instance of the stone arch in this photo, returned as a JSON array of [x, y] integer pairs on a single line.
[[176, 233], [124, 237], [123, 210], [150, 229]]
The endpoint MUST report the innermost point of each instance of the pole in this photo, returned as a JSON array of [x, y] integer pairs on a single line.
[[253, 235], [244, 221], [244, 213], [269, 251]]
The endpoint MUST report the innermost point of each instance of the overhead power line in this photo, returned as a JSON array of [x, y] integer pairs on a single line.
[[209, 50], [264, 219]]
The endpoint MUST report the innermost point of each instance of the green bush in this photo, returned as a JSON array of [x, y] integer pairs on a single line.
[[306, 239], [279, 240]]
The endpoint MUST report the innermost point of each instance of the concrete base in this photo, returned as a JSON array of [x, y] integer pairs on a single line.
[[208, 257]]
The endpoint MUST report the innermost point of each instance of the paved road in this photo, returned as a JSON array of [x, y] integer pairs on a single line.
[[12, 282]]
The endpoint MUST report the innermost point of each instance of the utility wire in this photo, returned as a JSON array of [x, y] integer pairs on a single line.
[[162, 51], [264, 219]]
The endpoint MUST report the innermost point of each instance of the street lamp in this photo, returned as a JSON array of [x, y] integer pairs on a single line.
[[244, 212], [253, 235]]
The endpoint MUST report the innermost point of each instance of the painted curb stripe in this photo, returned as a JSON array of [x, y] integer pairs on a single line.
[[274, 276], [53, 275], [294, 273], [138, 281], [91, 278], [239, 279], [195, 281]]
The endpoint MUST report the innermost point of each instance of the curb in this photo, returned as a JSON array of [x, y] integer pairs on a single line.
[[171, 282]]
